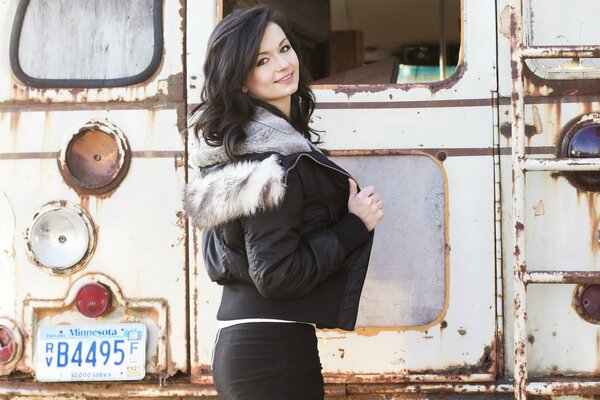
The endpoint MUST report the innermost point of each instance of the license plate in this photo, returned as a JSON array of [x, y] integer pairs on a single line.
[[104, 352]]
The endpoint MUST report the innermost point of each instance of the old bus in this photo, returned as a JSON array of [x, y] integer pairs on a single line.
[[478, 120]]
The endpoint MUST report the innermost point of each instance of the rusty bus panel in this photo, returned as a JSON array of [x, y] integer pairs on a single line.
[[115, 225], [164, 83]]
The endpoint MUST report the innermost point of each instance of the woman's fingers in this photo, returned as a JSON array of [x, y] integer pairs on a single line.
[[366, 204], [353, 187]]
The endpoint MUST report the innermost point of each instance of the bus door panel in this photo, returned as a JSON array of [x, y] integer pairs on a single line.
[[428, 310], [561, 224]]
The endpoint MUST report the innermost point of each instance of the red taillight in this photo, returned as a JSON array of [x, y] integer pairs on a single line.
[[93, 300], [7, 345]]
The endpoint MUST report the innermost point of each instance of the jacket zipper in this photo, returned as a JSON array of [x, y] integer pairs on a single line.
[[318, 162]]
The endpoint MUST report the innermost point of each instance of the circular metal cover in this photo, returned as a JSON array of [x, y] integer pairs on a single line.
[[95, 159]]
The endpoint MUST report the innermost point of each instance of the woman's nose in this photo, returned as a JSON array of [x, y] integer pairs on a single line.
[[282, 62]]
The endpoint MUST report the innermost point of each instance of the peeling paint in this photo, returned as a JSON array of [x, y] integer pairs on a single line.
[[538, 209], [505, 22]]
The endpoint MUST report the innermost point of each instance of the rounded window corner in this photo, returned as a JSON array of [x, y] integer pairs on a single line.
[[76, 83]]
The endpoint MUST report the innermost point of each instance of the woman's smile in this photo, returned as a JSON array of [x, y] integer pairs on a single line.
[[286, 79], [275, 76]]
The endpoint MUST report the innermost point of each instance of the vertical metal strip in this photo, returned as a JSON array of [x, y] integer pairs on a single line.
[[498, 234], [518, 193]]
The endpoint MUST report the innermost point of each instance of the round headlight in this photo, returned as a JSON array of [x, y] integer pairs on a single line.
[[582, 140], [95, 159], [61, 237]]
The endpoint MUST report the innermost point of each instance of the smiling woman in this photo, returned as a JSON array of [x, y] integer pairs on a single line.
[[274, 78], [285, 230]]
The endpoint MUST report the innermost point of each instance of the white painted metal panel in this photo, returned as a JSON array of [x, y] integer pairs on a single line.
[[140, 229], [561, 226]]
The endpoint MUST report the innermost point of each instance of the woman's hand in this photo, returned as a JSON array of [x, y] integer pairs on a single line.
[[366, 204]]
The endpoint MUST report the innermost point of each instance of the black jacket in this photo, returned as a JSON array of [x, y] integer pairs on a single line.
[[277, 232]]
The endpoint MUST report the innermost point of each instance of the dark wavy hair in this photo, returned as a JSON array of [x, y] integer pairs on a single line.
[[231, 55]]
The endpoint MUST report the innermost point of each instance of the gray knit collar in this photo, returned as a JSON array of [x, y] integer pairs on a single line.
[[265, 133]]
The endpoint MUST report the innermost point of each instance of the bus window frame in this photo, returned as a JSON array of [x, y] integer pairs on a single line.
[[149, 71], [537, 67], [446, 83]]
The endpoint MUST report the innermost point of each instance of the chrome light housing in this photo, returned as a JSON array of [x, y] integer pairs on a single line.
[[61, 237]]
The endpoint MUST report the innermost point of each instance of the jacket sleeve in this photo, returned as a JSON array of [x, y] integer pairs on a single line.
[[284, 264]]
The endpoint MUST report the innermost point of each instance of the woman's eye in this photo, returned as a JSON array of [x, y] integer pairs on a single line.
[[285, 49], [262, 61]]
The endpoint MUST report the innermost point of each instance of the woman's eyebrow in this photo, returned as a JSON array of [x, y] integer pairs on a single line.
[[265, 52]]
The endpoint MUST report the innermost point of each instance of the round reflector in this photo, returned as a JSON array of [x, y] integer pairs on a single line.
[[7, 345], [582, 140], [93, 300], [61, 237], [95, 159], [590, 301]]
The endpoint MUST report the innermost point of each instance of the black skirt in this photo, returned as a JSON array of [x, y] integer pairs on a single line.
[[268, 361]]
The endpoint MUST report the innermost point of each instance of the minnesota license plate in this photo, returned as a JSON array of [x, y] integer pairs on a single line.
[[105, 352]]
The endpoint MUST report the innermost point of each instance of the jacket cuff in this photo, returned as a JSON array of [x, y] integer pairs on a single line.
[[351, 232]]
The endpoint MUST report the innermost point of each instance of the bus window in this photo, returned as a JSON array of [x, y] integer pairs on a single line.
[[375, 41], [542, 29], [99, 43]]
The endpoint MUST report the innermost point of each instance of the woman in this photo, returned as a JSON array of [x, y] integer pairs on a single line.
[[286, 232]]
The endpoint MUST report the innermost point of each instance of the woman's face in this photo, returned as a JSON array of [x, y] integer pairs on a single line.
[[276, 71]]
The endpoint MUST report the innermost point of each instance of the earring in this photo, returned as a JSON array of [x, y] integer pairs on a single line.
[[244, 89]]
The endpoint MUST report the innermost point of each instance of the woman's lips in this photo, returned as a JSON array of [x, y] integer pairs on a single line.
[[286, 79]]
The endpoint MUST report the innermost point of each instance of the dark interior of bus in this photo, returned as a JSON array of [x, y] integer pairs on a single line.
[[374, 41]]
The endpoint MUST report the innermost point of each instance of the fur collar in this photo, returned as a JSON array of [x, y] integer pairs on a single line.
[[265, 133], [223, 191]]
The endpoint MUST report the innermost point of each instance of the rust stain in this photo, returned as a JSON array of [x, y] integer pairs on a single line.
[[84, 203], [506, 130], [597, 352], [538, 86], [594, 226], [453, 373], [15, 122], [433, 87]]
